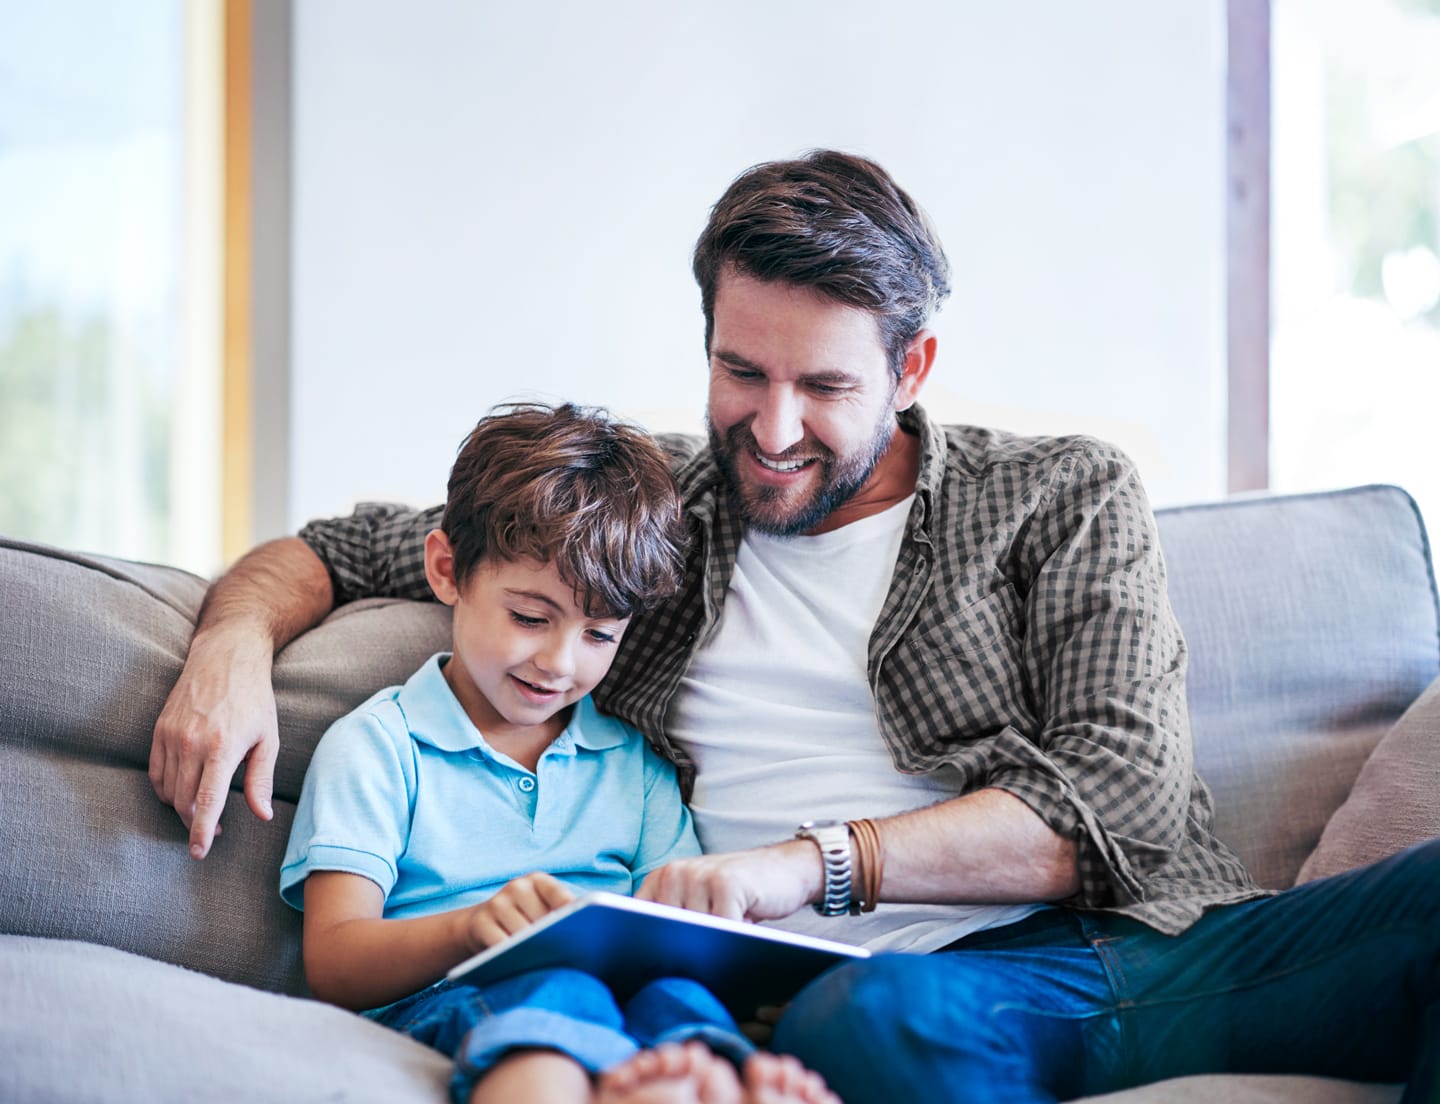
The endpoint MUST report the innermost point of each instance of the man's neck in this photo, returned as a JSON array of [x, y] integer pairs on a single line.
[[892, 481]]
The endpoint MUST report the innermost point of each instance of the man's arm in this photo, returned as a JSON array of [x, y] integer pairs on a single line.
[[986, 847], [222, 710]]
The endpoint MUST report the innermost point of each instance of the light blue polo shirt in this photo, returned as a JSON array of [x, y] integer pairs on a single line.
[[405, 791]]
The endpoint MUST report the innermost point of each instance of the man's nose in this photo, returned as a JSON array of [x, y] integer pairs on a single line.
[[778, 423]]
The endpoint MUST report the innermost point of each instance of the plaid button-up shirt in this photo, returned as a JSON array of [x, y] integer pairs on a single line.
[[1026, 640]]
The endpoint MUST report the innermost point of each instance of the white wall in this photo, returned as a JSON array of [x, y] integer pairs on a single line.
[[494, 200]]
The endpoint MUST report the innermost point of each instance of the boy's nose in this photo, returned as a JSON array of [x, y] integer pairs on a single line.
[[557, 658]]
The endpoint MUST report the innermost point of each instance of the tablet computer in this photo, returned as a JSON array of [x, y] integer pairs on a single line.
[[627, 943]]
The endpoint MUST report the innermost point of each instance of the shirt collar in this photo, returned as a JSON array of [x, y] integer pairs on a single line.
[[434, 716]]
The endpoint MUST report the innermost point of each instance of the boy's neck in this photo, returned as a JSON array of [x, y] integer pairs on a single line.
[[526, 745]]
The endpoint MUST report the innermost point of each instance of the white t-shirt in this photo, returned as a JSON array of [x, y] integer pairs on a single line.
[[777, 713]]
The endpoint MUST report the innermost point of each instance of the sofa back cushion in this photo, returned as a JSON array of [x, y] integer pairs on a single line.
[[1313, 623], [89, 647]]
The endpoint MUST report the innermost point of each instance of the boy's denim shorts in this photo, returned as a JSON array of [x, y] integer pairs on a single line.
[[560, 1010]]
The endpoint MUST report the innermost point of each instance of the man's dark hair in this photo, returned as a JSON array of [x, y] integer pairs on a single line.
[[573, 487], [836, 223]]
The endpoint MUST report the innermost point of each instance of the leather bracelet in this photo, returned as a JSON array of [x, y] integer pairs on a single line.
[[869, 865]]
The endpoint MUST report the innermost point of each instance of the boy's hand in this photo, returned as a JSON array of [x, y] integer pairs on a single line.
[[518, 904]]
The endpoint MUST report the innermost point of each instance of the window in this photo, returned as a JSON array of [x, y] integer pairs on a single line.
[[1355, 354], [110, 176]]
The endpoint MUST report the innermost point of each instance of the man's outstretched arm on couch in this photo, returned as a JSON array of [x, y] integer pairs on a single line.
[[221, 711]]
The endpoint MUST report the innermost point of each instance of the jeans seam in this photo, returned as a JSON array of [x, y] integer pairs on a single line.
[[1290, 971]]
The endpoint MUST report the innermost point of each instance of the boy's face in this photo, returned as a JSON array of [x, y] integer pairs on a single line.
[[524, 650]]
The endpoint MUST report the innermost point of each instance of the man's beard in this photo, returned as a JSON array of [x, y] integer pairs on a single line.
[[763, 508]]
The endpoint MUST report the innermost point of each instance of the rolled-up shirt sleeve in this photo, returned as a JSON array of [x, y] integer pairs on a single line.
[[1112, 764], [376, 552]]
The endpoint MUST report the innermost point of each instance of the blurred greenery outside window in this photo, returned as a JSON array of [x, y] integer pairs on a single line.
[[99, 448], [1356, 246]]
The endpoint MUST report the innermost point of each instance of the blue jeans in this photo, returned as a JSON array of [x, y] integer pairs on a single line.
[[1338, 978], [561, 1010]]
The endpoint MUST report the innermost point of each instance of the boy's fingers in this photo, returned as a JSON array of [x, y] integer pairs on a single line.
[[553, 893]]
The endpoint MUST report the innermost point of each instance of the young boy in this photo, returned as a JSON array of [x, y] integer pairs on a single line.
[[445, 814]]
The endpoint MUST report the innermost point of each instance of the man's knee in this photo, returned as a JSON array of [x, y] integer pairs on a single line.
[[888, 1000], [922, 1027]]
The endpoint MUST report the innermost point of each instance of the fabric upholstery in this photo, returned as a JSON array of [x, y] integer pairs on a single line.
[[1396, 799], [81, 1022], [1313, 623], [1255, 1089], [88, 650]]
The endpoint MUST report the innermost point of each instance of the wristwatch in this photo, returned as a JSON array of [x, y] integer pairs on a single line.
[[833, 839]]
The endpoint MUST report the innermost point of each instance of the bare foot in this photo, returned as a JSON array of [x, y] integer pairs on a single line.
[[781, 1079], [673, 1073]]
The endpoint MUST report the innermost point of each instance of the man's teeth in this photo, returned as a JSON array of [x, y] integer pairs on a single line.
[[781, 465]]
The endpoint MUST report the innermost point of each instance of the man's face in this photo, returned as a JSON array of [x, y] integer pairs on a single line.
[[802, 401]]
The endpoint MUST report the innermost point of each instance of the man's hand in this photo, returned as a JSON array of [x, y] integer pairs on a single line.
[[517, 905], [766, 883], [220, 713], [222, 710]]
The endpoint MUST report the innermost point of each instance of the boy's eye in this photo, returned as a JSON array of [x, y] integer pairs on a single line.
[[600, 636], [527, 622]]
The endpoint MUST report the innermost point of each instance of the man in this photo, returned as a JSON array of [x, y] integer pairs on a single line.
[[949, 656]]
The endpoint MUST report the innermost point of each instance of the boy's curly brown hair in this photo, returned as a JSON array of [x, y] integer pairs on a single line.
[[574, 487]]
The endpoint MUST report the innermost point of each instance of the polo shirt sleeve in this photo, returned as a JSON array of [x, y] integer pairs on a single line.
[[354, 810], [666, 830]]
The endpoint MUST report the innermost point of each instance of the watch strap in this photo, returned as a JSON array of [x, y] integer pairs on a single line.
[[833, 839]]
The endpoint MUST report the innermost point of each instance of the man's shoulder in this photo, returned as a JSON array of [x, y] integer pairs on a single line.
[[691, 462], [979, 451]]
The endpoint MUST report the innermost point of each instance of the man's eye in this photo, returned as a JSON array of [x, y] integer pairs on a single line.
[[826, 390], [744, 375]]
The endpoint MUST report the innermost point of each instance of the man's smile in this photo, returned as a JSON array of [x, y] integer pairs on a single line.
[[783, 466]]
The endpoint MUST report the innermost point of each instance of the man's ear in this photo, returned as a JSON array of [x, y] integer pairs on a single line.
[[919, 358], [440, 567]]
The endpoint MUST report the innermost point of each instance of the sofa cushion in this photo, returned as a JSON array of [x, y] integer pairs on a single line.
[[1253, 1088], [89, 651], [1396, 799], [81, 1022], [1313, 623]]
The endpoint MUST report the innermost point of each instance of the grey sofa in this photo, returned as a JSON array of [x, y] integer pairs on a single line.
[[129, 972]]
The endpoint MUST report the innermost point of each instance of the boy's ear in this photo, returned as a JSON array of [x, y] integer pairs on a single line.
[[440, 567]]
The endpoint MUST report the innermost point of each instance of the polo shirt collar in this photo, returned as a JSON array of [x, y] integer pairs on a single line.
[[435, 716]]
